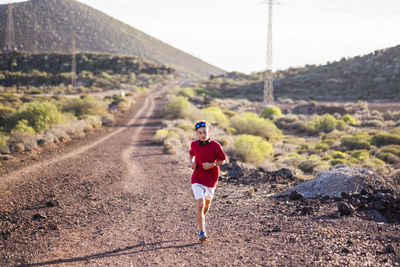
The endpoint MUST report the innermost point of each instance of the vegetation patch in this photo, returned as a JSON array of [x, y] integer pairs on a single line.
[[251, 123], [252, 148]]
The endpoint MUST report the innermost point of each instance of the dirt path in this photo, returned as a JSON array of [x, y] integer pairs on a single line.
[[119, 201]]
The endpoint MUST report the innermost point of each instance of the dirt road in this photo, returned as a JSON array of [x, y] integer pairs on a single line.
[[116, 200]]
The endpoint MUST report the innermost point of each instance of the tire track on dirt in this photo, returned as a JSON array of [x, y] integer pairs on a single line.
[[147, 105]]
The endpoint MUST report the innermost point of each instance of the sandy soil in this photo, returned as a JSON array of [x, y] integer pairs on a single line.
[[114, 199]]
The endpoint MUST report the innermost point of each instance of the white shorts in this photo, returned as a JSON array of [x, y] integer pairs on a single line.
[[201, 191]]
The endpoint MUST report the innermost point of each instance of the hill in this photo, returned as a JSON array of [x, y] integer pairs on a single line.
[[375, 76], [46, 26], [51, 72]]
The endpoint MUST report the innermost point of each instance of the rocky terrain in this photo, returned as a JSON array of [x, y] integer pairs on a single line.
[[114, 198]]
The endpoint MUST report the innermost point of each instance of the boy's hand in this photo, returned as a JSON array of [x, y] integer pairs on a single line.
[[194, 165], [207, 165]]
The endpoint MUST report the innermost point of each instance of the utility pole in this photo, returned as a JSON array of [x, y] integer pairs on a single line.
[[9, 44], [268, 76], [73, 71]]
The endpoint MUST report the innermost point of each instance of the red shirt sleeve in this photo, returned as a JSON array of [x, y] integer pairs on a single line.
[[191, 152], [220, 154]]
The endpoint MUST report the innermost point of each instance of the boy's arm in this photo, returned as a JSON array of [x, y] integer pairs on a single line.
[[192, 163], [208, 165]]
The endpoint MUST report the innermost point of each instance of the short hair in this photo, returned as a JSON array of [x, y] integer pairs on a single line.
[[199, 124]]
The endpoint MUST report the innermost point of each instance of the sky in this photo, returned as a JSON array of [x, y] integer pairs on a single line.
[[232, 34]]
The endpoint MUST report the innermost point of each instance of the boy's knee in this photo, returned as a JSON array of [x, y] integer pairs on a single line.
[[200, 203]]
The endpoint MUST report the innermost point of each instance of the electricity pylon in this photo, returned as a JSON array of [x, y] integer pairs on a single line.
[[9, 44], [73, 71], [268, 76]]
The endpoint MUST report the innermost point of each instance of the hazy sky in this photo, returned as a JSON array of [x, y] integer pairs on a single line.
[[232, 34]]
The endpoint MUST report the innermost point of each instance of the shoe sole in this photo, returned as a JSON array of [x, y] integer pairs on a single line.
[[203, 238]]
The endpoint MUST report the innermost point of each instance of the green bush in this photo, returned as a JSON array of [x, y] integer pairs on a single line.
[[250, 123], [339, 155], [160, 135], [188, 92], [85, 106], [252, 148], [373, 163], [360, 154], [215, 115], [92, 106], [270, 112], [384, 139], [178, 108], [389, 154], [393, 149], [395, 131], [3, 143], [321, 147], [360, 140], [326, 123], [23, 126], [5, 111], [349, 119], [40, 115], [335, 162]]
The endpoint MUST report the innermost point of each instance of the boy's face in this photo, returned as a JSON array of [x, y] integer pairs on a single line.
[[202, 133]]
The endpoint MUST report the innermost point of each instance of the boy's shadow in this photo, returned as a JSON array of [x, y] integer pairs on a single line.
[[143, 247]]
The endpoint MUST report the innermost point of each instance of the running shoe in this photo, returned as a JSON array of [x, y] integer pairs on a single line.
[[202, 236]]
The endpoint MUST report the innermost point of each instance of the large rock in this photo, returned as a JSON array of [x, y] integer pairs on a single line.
[[335, 181]]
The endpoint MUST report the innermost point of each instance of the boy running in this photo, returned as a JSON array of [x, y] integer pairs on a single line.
[[206, 156]]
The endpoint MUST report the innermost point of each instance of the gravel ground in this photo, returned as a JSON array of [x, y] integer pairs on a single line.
[[114, 199]]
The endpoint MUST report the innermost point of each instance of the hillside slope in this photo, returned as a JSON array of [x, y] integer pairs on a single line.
[[375, 76], [96, 72], [47, 26]]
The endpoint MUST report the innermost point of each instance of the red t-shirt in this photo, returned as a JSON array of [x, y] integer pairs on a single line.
[[210, 152]]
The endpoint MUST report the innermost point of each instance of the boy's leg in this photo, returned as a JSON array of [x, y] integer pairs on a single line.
[[200, 213], [207, 205], [209, 196]]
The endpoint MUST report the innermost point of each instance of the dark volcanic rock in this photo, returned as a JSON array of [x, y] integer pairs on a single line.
[[295, 195], [378, 217], [38, 216], [51, 203], [345, 209]]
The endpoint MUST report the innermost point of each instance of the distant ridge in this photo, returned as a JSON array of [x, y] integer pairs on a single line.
[[47, 26], [375, 76]]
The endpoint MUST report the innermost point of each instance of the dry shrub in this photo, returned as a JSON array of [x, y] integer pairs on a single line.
[[308, 165], [373, 123], [59, 134], [171, 145], [160, 136], [108, 120], [48, 138], [287, 122], [27, 140]]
